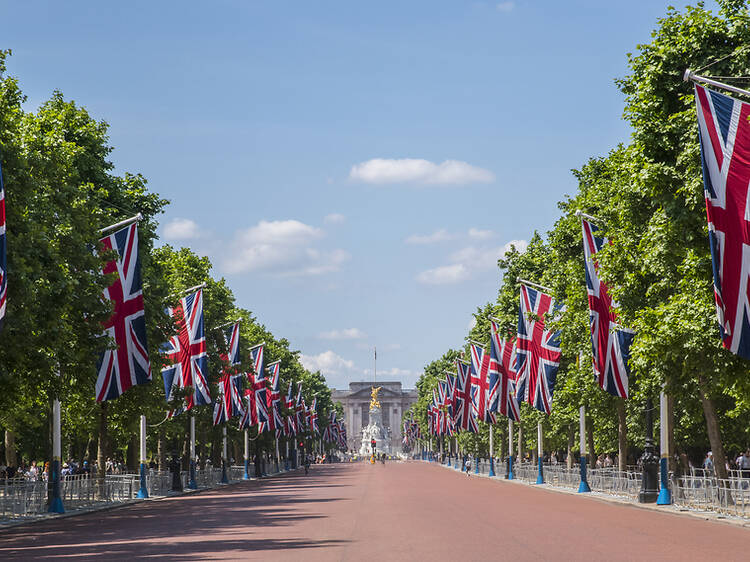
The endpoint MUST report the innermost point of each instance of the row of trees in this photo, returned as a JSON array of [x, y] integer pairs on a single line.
[[60, 190], [649, 196]]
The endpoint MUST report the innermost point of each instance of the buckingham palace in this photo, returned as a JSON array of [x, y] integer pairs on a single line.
[[394, 401]]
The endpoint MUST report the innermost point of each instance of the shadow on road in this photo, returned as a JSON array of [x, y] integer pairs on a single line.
[[225, 520]]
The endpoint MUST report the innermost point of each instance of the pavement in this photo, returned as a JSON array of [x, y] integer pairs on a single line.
[[398, 511]]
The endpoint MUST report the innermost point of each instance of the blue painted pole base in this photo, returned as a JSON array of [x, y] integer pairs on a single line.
[[224, 478], [143, 490], [665, 496], [246, 476], [510, 468], [455, 463], [55, 502], [492, 467], [191, 481], [540, 473], [476, 466], [583, 487]]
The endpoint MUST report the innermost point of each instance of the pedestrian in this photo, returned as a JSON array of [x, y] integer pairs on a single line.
[[744, 464], [467, 465], [708, 463]]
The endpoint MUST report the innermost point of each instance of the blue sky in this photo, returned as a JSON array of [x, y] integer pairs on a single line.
[[353, 169]]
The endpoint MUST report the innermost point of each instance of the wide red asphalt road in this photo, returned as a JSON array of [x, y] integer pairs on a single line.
[[400, 511]]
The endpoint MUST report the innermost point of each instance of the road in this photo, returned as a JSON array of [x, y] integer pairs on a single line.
[[400, 511]]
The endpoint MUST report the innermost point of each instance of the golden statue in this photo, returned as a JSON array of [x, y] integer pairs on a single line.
[[374, 400]]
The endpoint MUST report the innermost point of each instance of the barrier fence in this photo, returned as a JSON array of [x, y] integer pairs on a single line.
[[21, 497], [697, 490]]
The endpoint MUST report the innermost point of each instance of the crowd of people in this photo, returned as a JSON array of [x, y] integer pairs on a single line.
[[35, 471]]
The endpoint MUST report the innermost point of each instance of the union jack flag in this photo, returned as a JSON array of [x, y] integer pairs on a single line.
[[503, 359], [128, 364], [299, 409], [228, 403], [289, 420], [725, 153], [187, 351], [480, 366], [609, 341], [3, 255], [464, 417], [537, 350], [232, 340], [450, 397], [273, 396], [313, 416], [256, 356]]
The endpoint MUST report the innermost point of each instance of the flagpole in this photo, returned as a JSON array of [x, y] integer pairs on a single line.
[[121, 223], [534, 285], [191, 484], [247, 456], [510, 449], [584, 485], [591, 218], [277, 451], [691, 76], [224, 478], [56, 504], [492, 454], [540, 452], [665, 496], [143, 491]]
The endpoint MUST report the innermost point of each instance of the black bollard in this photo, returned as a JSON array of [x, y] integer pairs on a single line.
[[649, 462]]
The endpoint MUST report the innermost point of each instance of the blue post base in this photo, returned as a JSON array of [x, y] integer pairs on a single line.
[[224, 477], [286, 464], [476, 466], [665, 496], [583, 487], [55, 502], [191, 481], [143, 490], [455, 463], [510, 467], [540, 473], [246, 476], [492, 467]]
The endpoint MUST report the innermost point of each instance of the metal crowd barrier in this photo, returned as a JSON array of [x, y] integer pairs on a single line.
[[20, 497]]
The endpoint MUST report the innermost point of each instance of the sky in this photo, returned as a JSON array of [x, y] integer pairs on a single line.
[[354, 170]]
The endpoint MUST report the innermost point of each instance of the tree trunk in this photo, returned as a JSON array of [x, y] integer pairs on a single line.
[[590, 439], [88, 452], [571, 444], [714, 431], [622, 436], [670, 429], [133, 452], [10, 449], [102, 453]]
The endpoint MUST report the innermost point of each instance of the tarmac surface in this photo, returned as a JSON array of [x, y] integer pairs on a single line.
[[400, 511]]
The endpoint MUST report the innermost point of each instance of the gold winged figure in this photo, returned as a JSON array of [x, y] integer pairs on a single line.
[[374, 400]]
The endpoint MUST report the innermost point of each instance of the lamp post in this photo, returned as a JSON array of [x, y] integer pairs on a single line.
[[492, 454], [649, 461], [510, 450], [584, 485], [143, 491], [665, 496]]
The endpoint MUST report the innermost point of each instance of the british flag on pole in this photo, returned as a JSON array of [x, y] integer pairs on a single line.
[[480, 367], [127, 364], [187, 353], [610, 342], [273, 397], [232, 340], [465, 419], [537, 349], [724, 128], [503, 355]]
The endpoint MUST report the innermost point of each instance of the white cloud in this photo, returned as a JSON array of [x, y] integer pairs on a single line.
[[334, 218], [438, 236], [467, 262], [345, 334], [505, 6], [181, 229], [420, 171], [444, 275], [328, 363], [283, 247], [480, 234]]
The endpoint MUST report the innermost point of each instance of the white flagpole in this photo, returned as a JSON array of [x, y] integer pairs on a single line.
[[540, 452], [56, 505], [510, 449], [143, 491], [247, 457], [691, 76], [191, 483], [584, 485], [121, 223], [224, 478]]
